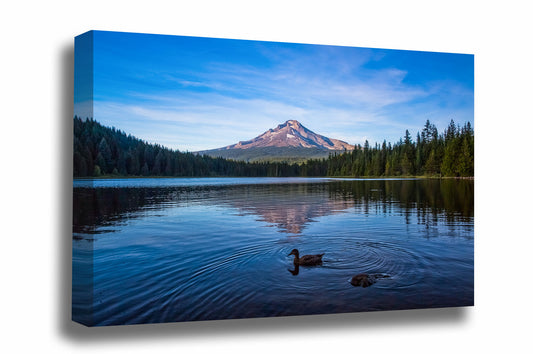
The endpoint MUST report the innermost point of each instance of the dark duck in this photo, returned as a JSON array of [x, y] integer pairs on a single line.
[[365, 280], [307, 260]]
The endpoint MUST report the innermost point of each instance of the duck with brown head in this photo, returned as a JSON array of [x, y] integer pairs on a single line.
[[307, 260]]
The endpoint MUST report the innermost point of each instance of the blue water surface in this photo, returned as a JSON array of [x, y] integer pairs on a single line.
[[181, 249]]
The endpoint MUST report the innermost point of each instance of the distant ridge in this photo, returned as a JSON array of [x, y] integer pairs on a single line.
[[290, 141]]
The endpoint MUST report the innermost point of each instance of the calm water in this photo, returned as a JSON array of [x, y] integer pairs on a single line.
[[164, 250]]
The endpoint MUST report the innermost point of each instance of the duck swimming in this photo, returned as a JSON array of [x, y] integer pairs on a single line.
[[365, 280], [307, 260]]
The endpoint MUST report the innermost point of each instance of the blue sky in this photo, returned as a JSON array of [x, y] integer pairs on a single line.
[[192, 93]]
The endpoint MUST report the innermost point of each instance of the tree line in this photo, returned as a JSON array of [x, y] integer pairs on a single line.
[[100, 150], [448, 154]]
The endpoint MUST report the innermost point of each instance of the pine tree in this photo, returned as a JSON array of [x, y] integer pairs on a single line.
[[158, 161], [432, 166], [97, 172], [449, 160], [145, 171], [100, 162], [106, 161]]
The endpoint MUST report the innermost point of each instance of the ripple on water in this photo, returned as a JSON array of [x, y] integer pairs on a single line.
[[165, 263], [235, 282]]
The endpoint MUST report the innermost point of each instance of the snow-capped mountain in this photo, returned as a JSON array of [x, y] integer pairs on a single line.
[[289, 141]]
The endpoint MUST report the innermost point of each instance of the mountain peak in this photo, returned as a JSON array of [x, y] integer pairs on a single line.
[[289, 138], [293, 122], [291, 134], [290, 123]]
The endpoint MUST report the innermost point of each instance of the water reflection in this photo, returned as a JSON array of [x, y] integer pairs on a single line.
[[181, 253], [422, 201], [296, 269], [289, 207]]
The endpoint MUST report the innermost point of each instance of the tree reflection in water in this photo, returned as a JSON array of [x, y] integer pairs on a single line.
[[289, 207]]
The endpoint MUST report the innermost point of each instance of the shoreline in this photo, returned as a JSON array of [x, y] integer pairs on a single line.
[[339, 177]]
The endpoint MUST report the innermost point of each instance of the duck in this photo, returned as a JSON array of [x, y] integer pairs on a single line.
[[307, 260], [365, 280]]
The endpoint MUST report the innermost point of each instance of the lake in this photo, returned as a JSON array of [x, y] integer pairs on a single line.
[[149, 250]]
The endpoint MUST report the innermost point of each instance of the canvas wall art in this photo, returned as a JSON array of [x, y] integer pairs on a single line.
[[220, 179]]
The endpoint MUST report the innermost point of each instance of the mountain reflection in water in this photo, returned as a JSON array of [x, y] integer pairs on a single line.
[[289, 207]]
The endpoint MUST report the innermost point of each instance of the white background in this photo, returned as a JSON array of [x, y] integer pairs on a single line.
[[36, 114]]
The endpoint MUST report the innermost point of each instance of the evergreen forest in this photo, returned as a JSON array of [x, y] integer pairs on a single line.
[[104, 151]]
